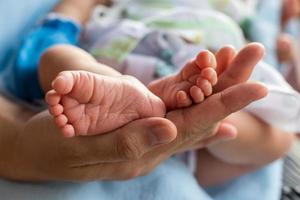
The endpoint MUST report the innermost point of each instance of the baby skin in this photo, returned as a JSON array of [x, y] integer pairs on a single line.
[[84, 103]]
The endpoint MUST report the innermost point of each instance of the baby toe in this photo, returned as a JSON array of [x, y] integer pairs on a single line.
[[210, 74], [52, 98], [56, 110], [196, 94], [183, 100], [63, 83], [61, 120], [68, 131], [205, 86]]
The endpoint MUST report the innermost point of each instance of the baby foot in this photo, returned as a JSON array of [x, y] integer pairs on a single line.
[[191, 85], [85, 103]]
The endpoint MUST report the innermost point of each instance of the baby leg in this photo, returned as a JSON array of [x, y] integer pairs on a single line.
[[66, 57]]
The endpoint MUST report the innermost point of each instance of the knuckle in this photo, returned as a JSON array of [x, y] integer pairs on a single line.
[[128, 147], [224, 105]]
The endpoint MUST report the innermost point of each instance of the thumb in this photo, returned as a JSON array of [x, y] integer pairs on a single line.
[[202, 117], [220, 105], [130, 142], [225, 132]]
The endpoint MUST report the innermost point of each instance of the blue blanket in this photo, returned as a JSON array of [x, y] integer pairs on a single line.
[[170, 181]]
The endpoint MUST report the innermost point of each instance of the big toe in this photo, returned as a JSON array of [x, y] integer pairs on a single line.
[[206, 59], [68, 131], [63, 83]]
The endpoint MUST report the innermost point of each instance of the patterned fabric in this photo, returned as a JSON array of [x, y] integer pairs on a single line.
[[291, 174]]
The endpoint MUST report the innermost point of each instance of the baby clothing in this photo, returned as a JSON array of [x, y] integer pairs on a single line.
[[171, 39]]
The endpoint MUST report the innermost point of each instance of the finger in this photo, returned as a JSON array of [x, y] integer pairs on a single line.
[[198, 121], [224, 56], [225, 132], [127, 143], [218, 106], [241, 66]]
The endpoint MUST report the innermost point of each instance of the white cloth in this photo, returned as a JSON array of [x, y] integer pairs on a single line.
[[281, 108]]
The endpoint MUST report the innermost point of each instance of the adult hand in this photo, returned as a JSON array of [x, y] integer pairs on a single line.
[[37, 152], [198, 124]]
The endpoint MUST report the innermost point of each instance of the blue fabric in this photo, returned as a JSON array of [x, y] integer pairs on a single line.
[[170, 181], [25, 83]]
